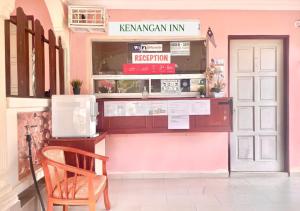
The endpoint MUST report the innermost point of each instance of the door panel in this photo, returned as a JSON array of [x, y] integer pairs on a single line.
[[268, 88], [245, 88], [245, 60], [256, 68]]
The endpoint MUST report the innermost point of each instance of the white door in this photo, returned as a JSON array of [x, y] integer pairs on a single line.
[[256, 78]]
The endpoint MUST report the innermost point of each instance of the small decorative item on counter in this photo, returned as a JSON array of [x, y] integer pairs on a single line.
[[202, 91], [145, 93], [76, 84], [215, 79]]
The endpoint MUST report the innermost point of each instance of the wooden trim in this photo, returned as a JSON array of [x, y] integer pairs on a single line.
[[7, 57], [285, 39], [39, 59], [22, 54], [61, 67], [286, 79], [52, 62]]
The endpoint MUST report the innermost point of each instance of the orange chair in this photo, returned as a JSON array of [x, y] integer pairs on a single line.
[[70, 185]]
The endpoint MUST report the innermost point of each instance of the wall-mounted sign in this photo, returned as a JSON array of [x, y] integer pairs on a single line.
[[180, 48], [151, 58], [170, 86], [154, 28], [146, 47], [137, 69]]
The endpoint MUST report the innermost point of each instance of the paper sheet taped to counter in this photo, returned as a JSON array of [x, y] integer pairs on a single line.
[[156, 107]]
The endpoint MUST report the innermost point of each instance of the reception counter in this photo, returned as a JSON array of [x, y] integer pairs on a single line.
[[219, 119]]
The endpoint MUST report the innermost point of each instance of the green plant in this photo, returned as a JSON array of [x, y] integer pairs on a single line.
[[202, 90], [76, 83]]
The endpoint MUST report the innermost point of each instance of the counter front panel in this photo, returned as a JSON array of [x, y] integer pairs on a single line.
[[219, 120]]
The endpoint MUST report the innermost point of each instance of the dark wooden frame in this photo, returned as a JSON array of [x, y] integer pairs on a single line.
[[38, 41], [285, 39]]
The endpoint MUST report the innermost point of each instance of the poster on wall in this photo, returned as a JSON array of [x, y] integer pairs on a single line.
[[137, 108], [170, 86], [180, 48], [158, 108], [178, 122]]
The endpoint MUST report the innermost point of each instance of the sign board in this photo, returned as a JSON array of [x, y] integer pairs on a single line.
[[138, 47], [154, 28], [170, 86], [180, 48], [143, 69], [151, 58]]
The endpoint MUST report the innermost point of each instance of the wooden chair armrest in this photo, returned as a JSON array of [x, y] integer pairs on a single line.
[[82, 152]]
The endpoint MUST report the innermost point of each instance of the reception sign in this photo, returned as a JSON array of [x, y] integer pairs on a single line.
[[154, 28], [141, 69], [151, 58]]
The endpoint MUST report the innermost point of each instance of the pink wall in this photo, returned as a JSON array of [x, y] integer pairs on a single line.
[[199, 151], [38, 9]]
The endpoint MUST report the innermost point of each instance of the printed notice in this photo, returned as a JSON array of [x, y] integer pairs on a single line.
[[178, 122], [115, 108], [178, 107], [159, 108], [199, 107], [137, 108], [180, 48]]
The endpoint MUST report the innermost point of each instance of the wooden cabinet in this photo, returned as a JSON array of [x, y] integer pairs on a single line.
[[220, 119], [93, 144]]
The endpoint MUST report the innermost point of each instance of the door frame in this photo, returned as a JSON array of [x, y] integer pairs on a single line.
[[285, 40]]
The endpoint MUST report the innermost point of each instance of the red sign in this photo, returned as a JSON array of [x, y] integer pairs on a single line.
[[144, 69]]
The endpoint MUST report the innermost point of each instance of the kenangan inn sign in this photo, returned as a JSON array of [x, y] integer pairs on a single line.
[[154, 28]]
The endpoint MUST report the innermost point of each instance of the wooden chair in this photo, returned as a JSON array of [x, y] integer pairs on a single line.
[[70, 185]]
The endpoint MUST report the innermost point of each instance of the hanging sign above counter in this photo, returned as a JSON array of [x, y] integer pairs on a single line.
[[154, 28]]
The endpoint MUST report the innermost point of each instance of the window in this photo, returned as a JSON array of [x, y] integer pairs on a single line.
[[180, 69]]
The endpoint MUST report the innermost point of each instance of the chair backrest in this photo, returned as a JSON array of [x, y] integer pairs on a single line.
[[58, 156], [51, 172]]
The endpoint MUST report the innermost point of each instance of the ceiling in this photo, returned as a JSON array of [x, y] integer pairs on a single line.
[[193, 4]]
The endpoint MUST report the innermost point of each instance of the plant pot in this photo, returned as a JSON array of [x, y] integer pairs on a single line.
[[217, 94], [76, 90]]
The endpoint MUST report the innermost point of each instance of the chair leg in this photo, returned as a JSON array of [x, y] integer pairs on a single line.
[[66, 208], [50, 206], [106, 198], [92, 206]]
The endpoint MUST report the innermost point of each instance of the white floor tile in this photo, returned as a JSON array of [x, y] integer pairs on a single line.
[[202, 194]]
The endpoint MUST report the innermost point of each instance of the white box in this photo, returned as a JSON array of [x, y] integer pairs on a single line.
[[74, 115]]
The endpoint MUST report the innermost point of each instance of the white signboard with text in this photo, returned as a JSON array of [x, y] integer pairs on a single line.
[[180, 48], [154, 28]]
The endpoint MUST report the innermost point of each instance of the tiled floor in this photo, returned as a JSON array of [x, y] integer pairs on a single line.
[[204, 194]]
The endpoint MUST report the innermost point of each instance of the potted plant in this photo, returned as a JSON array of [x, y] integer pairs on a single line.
[[217, 89], [76, 84], [202, 91]]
